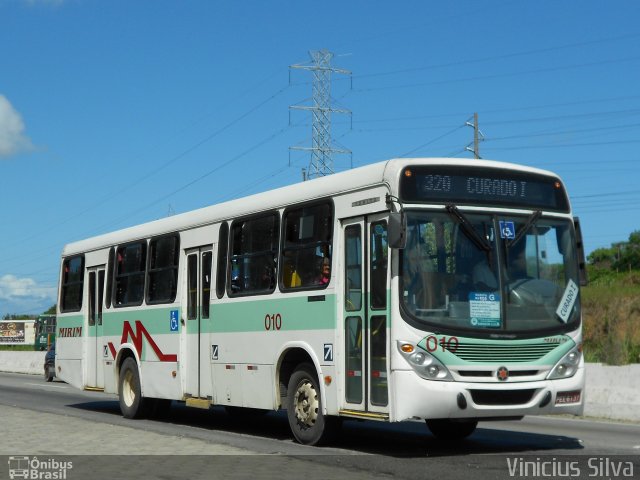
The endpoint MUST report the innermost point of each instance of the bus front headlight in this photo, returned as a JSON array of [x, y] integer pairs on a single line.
[[424, 364], [568, 365]]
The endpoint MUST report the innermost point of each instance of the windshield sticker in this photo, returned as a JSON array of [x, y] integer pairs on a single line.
[[484, 310], [568, 301], [507, 229]]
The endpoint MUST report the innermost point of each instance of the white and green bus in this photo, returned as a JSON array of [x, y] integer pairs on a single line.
[[437, 289]]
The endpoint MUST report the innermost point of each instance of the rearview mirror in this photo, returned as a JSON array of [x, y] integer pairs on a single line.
[[582, 263], [397, 232]]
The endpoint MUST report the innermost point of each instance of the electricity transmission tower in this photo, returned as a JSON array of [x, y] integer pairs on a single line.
[[477, 137], [322, 149]]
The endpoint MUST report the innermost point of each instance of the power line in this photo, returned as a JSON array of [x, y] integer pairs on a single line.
[[500, 75], [565, 145], [632, 111], [430, 142], [201, 177], [607, 194], [561, 132], [404, 28], [496, 57], [145, 177], [513, 109]]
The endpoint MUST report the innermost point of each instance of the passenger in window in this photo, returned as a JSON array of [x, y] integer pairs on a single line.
[[325, 272], [268, 278]]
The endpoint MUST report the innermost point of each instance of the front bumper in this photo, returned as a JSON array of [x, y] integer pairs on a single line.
[[417, 398]]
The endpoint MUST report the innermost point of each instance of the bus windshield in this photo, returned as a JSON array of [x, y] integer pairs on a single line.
[[480, 274]]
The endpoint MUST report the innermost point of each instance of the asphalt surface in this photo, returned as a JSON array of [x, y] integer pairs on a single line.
[[57, 424]]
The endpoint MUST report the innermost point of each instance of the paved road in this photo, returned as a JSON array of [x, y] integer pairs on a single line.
[[56, 423]]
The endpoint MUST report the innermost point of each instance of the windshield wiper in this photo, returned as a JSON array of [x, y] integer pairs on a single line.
[[531, 221], [468, 229]]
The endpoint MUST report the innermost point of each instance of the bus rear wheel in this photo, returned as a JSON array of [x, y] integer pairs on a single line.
[[446, 429], [304, 408], [132, 404]]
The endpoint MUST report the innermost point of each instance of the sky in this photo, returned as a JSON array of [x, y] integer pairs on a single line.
[[115, 113]]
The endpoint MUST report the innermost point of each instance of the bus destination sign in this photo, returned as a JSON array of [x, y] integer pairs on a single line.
[[482, 186]]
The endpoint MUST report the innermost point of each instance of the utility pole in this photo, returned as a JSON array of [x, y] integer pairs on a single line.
[[477, 137], [321, 163]]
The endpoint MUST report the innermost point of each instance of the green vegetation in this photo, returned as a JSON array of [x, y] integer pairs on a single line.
[[611, 304], [17, 348], [10, 316], [18, 317]]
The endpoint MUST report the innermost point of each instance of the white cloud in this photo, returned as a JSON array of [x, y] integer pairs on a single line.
[[12, 137], [13, 288]]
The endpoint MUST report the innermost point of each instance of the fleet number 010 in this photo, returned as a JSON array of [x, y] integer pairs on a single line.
[[446, 343], [272, 321]]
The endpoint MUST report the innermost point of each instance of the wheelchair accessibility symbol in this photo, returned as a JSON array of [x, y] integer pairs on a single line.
[[173, 322], [507, 229]]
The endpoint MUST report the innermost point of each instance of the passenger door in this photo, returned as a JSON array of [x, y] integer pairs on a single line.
[[366, 314], [95, 351], [196, 322]]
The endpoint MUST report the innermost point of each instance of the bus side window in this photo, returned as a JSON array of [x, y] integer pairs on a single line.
[[379, 261], [353, 268], [109, 291], [130, 273], [254, 250], [306, 247], [223, 245], [162, 278]]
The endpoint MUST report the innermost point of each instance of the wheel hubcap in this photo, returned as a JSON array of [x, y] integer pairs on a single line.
[[306, 404], [128, 392]]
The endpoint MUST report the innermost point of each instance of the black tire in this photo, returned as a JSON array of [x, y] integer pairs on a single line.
[[304, 408], [445, 429], [132, 404]]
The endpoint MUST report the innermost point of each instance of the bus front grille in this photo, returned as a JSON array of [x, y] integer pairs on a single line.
[[493, 353]]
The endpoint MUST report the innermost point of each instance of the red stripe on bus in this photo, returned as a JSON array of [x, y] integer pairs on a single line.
[[136, 338]]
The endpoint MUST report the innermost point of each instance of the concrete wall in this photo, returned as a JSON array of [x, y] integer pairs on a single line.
[[22, 362], [612, 392]]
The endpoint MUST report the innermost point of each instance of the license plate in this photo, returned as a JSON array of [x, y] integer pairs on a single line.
[[567, 397]]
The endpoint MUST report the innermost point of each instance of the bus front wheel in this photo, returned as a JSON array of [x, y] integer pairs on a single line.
[[445, 429], [132, 404], [304, 408]]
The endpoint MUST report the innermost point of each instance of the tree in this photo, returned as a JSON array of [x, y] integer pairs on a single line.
[[11, 316], [602, 257], [629, 253]]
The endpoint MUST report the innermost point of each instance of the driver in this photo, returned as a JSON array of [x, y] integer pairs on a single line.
[[517, 268], [483, 276]]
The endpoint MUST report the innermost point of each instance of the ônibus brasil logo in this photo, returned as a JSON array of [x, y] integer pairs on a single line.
[[33, 468]]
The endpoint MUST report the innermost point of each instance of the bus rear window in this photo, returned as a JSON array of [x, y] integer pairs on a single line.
[[72, 284]]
